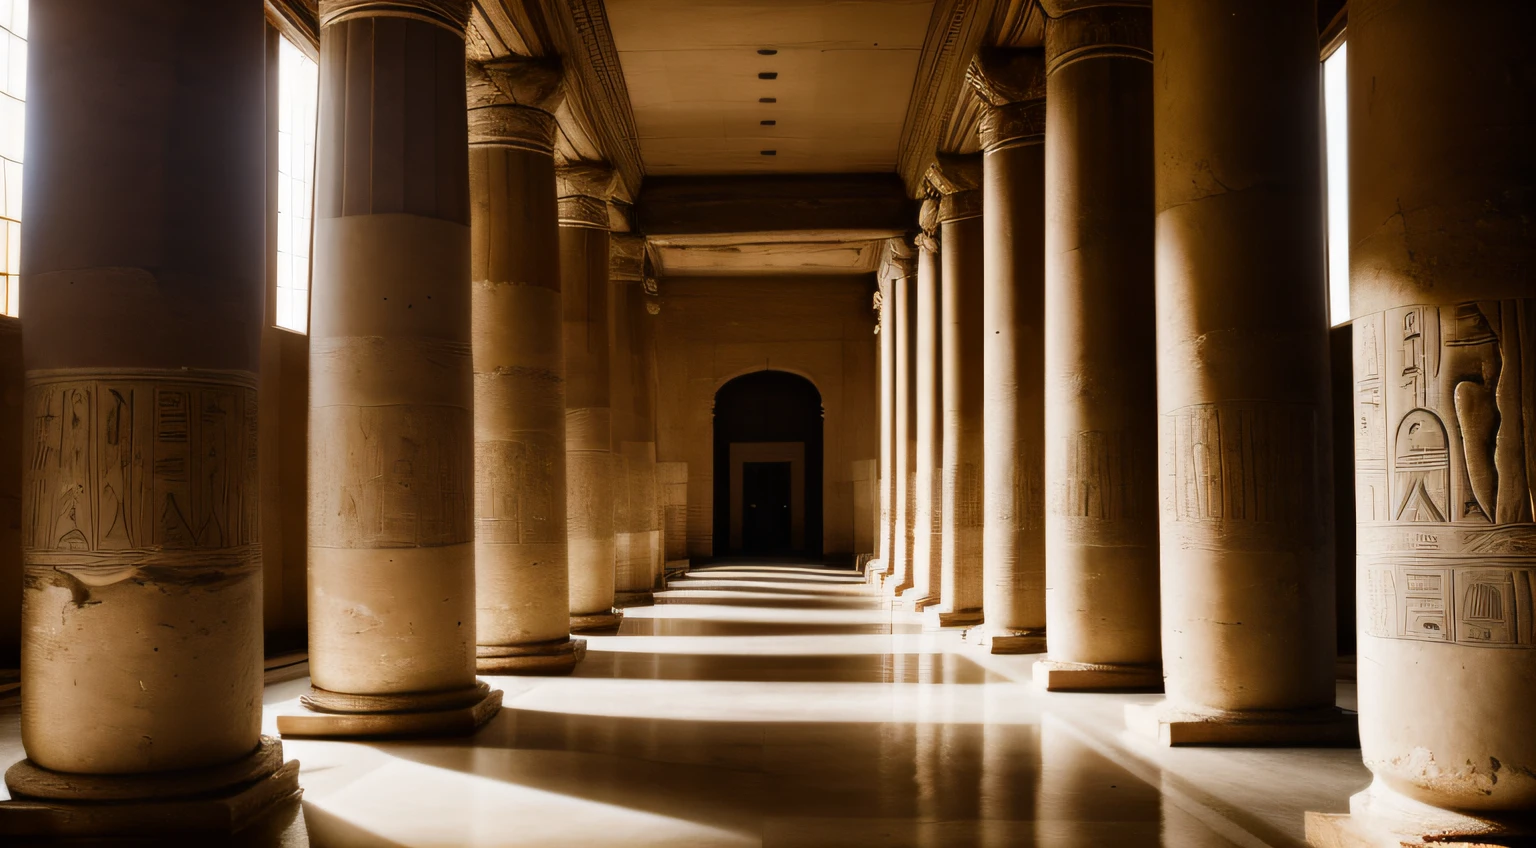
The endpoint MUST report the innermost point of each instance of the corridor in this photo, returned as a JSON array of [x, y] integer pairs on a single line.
[[788, 706]]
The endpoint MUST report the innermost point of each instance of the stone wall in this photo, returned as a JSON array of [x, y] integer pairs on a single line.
[[713, 330]]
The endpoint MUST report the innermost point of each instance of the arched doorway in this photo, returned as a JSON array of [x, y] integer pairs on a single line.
[[768, 466]]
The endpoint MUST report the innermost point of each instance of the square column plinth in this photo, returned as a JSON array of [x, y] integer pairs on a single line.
[[1169, 725]]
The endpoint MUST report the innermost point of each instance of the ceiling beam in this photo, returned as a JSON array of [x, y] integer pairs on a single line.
[[706, 205]]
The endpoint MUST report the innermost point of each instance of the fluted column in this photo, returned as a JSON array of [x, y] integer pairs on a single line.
[[143, 295], [904, 292], [634, 425], [1100, 350], [1012, 83], [391, 424], [1442, 122], [961, 238], [521, 585], [928, 377], [584, 191], [1242, 379]]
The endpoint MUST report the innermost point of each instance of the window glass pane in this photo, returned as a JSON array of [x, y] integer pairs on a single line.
[[1336, 127], [13, 130], [298, 89]]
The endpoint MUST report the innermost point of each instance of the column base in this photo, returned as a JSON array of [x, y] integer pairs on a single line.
[[1329, 727], [558, 656], [1006, 640], [943, 619], [597, 622], [921, 604], [1059, 676], [220, 799], [1381, 818], [458, 712], [644, 598]]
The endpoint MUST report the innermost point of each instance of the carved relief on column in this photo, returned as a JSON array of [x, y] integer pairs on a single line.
[[958, 181], [1012, 84]]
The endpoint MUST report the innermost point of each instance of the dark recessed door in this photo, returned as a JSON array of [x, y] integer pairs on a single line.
[[765, 513]]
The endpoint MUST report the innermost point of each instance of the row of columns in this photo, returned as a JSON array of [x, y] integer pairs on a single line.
[[482, 404], [1152, 408]]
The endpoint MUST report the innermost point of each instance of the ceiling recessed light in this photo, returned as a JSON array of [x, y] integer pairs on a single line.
[[768, 75], [767, 99], [769, 152], [767, 123], [767, 51]]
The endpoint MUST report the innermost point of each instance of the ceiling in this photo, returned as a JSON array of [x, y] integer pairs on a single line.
[[845, 72]]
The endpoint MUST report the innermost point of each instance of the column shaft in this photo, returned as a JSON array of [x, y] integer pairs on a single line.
[[1100, 350], [584, 246], [928, 530], [143, 290], [962, 236], [521, 584], [1242, 371], [1442, 122], [634, 434], [887, 403], [1013, 181]]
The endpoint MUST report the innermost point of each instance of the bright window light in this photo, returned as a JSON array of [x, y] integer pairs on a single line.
[[13, 130], [298, 90], [1336, 128]]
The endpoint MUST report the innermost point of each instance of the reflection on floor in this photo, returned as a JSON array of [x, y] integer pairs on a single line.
[[783, 706]]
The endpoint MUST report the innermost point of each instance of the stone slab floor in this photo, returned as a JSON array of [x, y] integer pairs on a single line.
[[762, 705]]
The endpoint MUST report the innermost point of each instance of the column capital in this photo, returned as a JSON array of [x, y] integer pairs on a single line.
[[928, 220], [512, 102], [898, 260], [452, 15], [957, 179], [584, 189], [1096, 29], [1012, 84], [626, 258]]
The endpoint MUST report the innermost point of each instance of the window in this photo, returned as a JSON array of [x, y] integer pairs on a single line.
[[298, 90], [1336, 132], [13, 131]]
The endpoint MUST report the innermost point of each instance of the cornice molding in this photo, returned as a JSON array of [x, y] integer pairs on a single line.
[[299, 21], [955, 31]]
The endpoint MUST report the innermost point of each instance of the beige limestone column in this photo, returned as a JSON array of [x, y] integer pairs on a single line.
[[1242, 372], [633, 421], [904, 432], [1101, 569], [584, 190], [648, 388], [391, 426], [143, 295], [961, 233], [1012, 83], [521, 583], [885, 303], [928, 429], [1442, 122]]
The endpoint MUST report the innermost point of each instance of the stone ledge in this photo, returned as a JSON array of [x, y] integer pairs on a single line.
[[942, 619], [1057, 676], [1325, 728], [1007, 641]]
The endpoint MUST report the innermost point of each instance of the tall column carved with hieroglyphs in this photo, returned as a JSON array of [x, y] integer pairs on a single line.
[[1442, 285], [143, 294], [521, 580], [584, 192]]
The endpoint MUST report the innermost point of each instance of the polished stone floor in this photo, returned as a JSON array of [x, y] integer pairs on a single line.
[[765, 705]]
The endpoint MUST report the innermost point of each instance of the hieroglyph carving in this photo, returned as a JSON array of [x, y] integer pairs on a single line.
[[1241, 462], [1445, 454], [125, 468], [1095, 472]]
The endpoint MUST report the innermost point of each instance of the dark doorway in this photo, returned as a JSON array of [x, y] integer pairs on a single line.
[[769, 407], [765, 502]]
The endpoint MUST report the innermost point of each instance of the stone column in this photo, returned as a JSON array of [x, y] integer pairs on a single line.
[[634, 430], [391, 426], [1442, 122], [521, 586], [584, 190], [1100, 350], [928, 530], [1012, 83], [885, 304], [961, 236], [143, 295], [648, 387], [1242, 372], [904, 292]]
